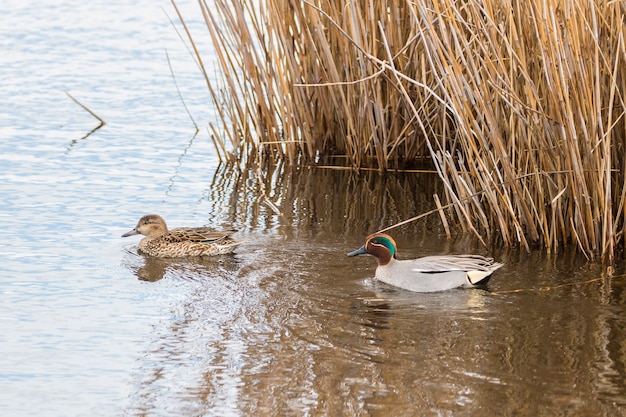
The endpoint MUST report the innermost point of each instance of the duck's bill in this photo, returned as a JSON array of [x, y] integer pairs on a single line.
[[131, 233], [359, 251]]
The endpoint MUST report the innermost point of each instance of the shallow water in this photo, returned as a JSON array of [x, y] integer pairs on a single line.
[[286, 326]]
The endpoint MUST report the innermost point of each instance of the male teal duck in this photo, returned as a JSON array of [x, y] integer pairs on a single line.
[[181, 242], [429, 274]]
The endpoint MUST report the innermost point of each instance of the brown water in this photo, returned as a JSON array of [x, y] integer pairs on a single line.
[[286, 326], [290, 326]]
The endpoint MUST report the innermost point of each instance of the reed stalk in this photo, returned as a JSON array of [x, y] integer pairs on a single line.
[[518, 105]]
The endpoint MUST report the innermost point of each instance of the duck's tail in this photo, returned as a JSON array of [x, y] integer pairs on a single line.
[[482, 277]]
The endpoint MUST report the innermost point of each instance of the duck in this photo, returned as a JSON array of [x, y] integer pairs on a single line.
[[428, 274], [160, 242]]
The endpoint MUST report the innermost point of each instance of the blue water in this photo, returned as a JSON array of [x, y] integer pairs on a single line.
[[73, 323], [286, 326]]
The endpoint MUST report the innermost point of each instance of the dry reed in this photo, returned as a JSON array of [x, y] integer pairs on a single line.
[[519, 105]]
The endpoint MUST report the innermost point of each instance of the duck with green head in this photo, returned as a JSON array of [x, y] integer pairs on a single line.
[[428, 274]]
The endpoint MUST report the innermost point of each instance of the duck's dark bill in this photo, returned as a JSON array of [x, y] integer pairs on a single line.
[[359, 251], [131, 233]]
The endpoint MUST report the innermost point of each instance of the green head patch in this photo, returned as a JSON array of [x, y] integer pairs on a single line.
[[385, 241]]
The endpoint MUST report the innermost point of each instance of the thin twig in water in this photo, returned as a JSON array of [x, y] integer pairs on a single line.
[[91, 132], [102, 122]]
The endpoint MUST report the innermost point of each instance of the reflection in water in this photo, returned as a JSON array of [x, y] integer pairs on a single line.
[[146, 268], [609, 338], [285, 326], [288, 326], [92, 131], [179, 163], [151, 269], [324, 202]]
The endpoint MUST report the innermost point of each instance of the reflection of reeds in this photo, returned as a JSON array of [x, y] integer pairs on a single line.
[[322, 202], [518, 104]]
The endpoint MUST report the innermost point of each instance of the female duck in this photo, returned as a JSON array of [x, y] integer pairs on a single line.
[[429, 274], [181, 242]]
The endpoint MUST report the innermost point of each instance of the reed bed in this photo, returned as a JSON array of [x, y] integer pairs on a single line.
[[519, 106]]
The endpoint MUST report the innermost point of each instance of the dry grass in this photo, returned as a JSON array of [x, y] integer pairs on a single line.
[[519, 105]]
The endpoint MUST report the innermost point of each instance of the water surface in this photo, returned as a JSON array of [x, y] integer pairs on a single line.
[[286, 326]]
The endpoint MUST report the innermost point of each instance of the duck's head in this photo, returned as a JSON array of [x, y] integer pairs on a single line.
[[380, 245], [151, 225]]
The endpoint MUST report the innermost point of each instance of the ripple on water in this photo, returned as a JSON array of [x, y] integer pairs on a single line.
[[286, 326]]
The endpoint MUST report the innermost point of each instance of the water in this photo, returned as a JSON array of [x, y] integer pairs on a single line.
[[286, 326]]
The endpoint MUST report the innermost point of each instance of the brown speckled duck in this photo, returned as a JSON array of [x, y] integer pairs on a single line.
[[180, 242]]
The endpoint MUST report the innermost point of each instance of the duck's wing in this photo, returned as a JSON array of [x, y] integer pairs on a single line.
[[435, 264], [197, 235]]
